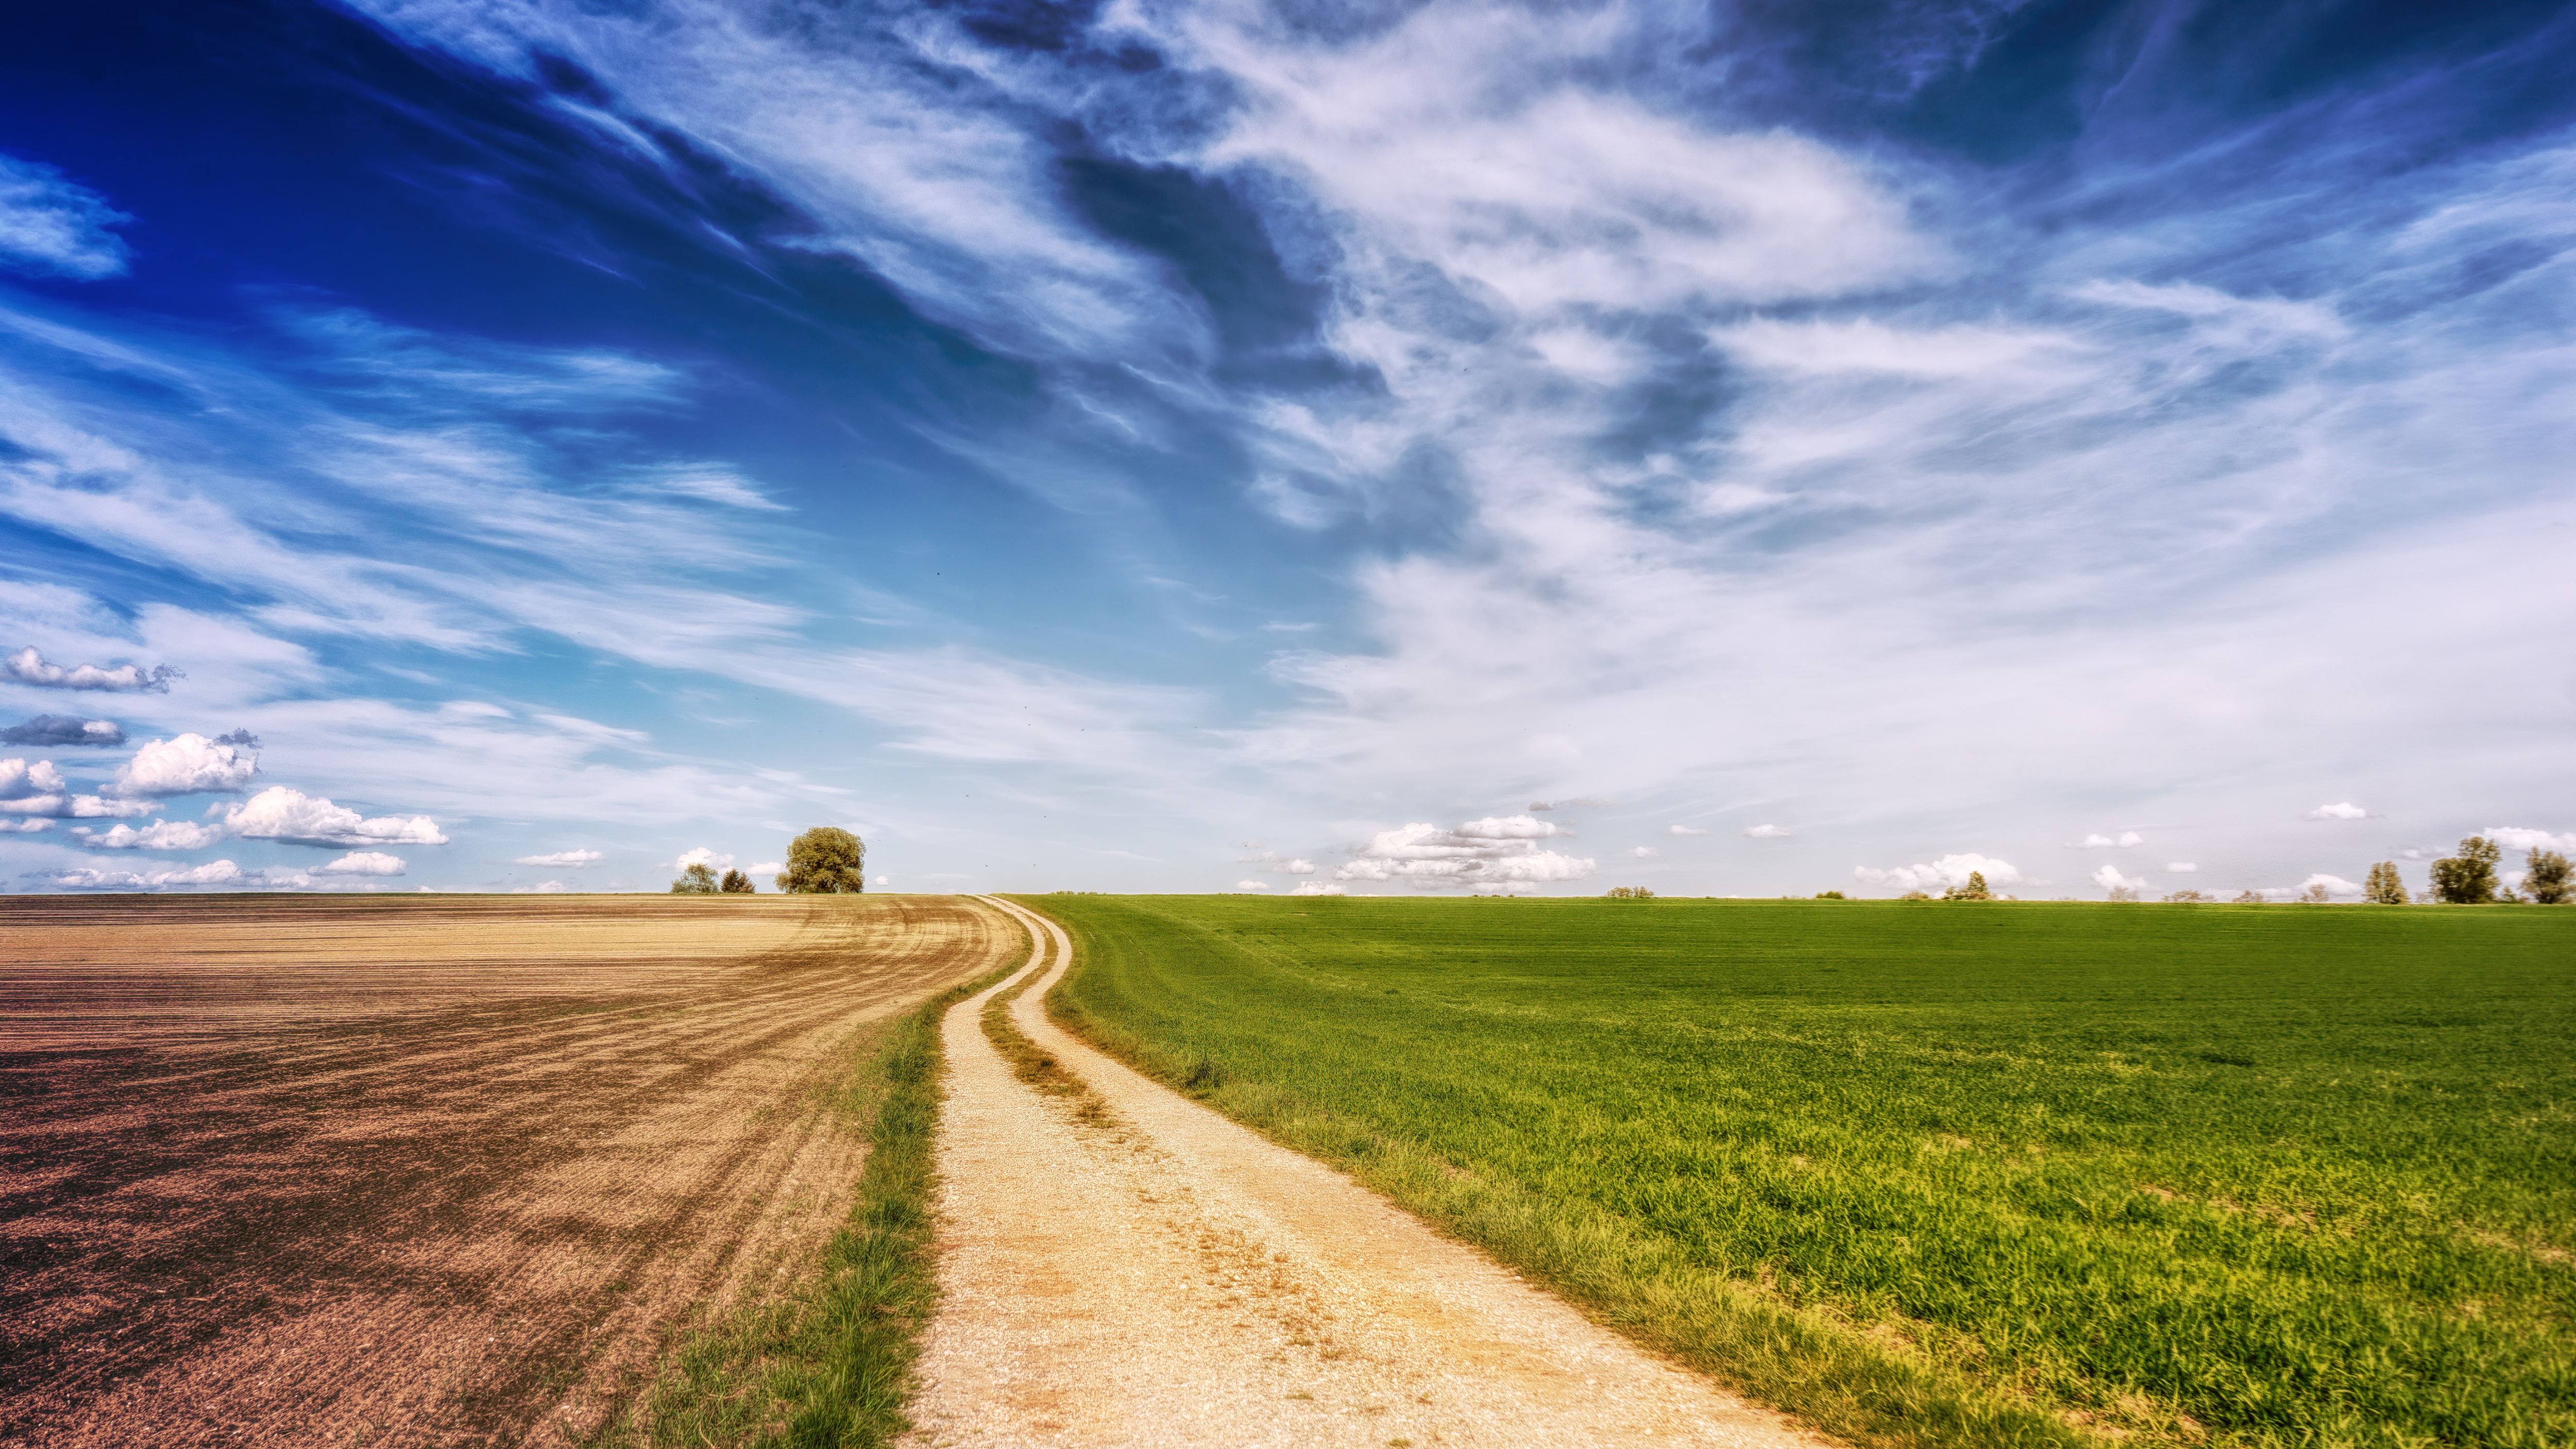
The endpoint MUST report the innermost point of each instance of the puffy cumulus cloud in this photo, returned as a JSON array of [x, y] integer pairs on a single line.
[[1684, 830], [362, 862], [1267, 859], [2109, 878], [20, 780], [1492, 853], [2123, 841], [213, 872], [2334, 885], [1316, 888], [1768, 832], [1948, 871], [189, 764], [54, 731], [1643, 852], [159, 835], [31, 789], [24, 827], [28, 666], [289, 815], [2181, 867], [1300, 867], [701, 856], [53, 226], [1252, 885], [880, 880], [576, 859], [2341, 810], [2518, 837]]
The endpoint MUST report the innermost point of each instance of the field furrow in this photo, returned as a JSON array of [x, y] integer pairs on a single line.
[[294, 1170]]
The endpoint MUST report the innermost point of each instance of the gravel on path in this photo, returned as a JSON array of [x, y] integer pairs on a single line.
[[1172, 1278]]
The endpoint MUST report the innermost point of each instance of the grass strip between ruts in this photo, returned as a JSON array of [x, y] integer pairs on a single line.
[[829, 1365], [1841, 1377], [1036, 1066]]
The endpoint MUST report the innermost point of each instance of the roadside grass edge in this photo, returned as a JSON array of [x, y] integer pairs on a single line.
[[1877, 1386], [828, 1365]]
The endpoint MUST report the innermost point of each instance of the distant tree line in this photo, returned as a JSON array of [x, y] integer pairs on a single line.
[[823, 861]]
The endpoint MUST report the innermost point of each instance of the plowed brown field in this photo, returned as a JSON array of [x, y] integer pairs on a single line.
[[443, 1170]]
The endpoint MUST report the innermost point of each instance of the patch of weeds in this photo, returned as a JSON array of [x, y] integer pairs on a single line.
[[1038, 1067]]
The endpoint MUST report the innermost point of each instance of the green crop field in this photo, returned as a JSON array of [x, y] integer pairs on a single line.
[[1941, 1173]]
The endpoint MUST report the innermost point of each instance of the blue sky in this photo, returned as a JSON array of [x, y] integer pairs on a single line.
[[1198, 447]]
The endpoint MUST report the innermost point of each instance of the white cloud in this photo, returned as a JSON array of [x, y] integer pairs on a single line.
[[2109, 878], [186, 765], [1948, 871], [289, 815], [2125, 840], [881, 880], [701, 856], [2334, 884], [38, 789], [541, 888], [1768, 832], [1642, 852], [577, 859], [53, 226], [1299, 867], [213, 872], [27, 666], [1316, 888], [1252, 885], [24, 827], [1684, 830], [362, 862], [2518, 837], [2181, 867], [773, 867], [2345, 810], [159, 835], [19, 779], [1498, 852]]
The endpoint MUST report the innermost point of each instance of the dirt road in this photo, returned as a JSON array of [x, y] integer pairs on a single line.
[[298, 1170], [1173, 1279]]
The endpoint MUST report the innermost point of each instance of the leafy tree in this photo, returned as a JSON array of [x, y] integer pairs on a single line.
[[735, 883], [1915, 896], [2248, 897], [2316, 895], [2185, 898], [2547, 882], [1631, 893], [824, 861], [2122, 893], [2383, 888], [1831, 896], [2468, 878], [697, 880], [1974, 890]]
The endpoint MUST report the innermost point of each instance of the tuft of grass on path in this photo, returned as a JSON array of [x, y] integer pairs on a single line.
[[1940, 1174], [1036, 1066], [827, 1364]]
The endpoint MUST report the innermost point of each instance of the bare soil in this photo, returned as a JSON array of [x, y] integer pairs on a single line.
[[449, 1170], [1124, 1267]]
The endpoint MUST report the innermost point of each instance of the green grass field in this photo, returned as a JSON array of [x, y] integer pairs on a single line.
[[1941, 1173]]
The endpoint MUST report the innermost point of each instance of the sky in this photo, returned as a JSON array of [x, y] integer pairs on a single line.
[[1728, 449]]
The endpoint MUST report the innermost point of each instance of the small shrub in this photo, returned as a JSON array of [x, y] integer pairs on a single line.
[[1630, 893]]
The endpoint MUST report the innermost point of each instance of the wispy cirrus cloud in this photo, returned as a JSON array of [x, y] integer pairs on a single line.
[[53, 226]]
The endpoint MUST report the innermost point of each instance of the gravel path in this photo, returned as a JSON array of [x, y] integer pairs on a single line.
[[1172, 1278]]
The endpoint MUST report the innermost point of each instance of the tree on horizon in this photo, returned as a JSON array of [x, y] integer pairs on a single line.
[[824, 861]]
